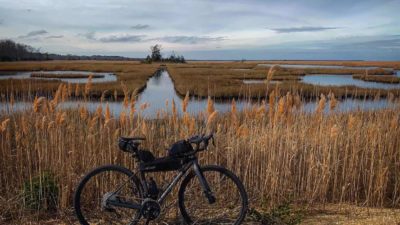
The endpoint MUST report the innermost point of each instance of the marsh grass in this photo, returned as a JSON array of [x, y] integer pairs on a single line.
[[218, 80], [279, 151], [390, 79], [64, 75], [201, 79], [132, 73]]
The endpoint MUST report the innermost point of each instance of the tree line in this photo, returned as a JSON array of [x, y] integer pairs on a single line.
[[12, 51], [156, 56]]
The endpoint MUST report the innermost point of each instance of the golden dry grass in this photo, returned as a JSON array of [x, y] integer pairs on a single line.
[[279, 154], [345, 214], [378, 78], [132, 73], [223, 80]]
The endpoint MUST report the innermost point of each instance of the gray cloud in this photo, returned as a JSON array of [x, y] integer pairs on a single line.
[[1, 21], [383, 43], [190, 39], [33, 34], [54, 36], [140, 26], [114, 38], [88, 35], [142, 38], [301, 29], [122, 38]]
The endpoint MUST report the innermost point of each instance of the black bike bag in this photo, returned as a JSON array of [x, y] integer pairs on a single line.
[[179, 148], [145, 156], [162, 164]]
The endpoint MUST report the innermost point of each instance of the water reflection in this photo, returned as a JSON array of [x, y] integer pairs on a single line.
[[107, 77]]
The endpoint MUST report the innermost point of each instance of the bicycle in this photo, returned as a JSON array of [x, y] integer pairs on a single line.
[[217, 196]]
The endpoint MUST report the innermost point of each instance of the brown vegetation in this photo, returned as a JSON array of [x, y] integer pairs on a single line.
[[279, 152], [64, 75], [378, 78], [222, 79], [219, 80], [133, 74]]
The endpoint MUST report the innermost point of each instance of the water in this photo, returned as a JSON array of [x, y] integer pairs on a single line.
[[398, 73], [160, 89], [255, 81], [242, 69], [341, 80], [108, 77], [305, 66]]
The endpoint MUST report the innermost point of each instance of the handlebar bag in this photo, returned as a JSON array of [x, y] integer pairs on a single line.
[[180, 148]]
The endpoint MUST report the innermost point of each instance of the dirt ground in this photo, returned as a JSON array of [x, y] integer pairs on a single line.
[[330, 214]]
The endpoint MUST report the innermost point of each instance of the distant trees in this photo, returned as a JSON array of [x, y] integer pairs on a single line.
[[156, 56], [156, 53], [11, 51]]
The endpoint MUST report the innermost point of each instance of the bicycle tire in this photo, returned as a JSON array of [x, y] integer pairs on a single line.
[[97, 171], [223, 171]]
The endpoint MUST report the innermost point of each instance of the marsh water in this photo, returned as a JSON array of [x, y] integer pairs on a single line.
[[106, 77], [258, 81], [341, 80], [304, 66], [159, 94]]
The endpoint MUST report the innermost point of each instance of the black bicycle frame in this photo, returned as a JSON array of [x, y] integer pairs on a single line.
[[196, 168]]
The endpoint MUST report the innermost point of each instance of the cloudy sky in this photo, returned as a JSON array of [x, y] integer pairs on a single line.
[[208, 29]]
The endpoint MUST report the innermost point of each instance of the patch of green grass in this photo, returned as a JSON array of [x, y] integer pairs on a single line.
[[41, 192], [283, 214]]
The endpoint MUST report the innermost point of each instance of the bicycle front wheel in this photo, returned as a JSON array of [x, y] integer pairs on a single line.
[[102, 184], [231, 202]]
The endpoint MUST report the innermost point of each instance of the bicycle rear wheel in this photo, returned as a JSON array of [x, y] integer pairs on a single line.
[[231, 198], [100, 184]]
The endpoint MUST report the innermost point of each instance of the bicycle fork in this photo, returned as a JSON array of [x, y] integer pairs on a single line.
[[204, 184]]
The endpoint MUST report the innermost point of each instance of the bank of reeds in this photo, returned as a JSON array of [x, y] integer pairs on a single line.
[[390, 79], [132, 73], [64, 75], [228, 83], [279, 152]]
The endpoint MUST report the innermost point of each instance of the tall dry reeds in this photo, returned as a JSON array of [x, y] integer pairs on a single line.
[[279, 152]]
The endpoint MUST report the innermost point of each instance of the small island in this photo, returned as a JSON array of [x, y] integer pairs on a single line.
[[64, 75]]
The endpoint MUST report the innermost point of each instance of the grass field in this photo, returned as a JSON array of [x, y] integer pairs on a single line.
[[312, 168], [217, 79], [133, 74], [281, 154], [223, 80]]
